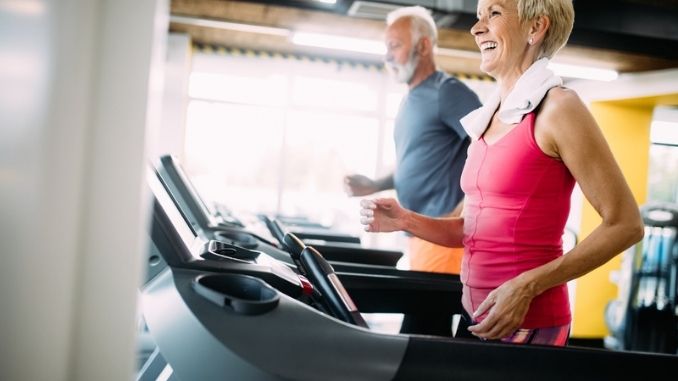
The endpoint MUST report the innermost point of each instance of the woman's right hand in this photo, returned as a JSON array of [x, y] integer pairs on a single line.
[[382, 215]]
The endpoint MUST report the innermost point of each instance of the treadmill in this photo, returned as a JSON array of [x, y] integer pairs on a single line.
[[220, 311], [336, 246], [402, 291]]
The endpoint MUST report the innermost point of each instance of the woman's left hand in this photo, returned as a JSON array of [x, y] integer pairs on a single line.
[[506, 307]]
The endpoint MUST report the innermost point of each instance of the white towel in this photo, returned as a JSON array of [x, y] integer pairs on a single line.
[[526, 95]]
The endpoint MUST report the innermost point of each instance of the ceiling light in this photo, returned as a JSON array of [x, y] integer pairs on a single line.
[[225, 25], [339, 43], [583, 72], [327, 1]]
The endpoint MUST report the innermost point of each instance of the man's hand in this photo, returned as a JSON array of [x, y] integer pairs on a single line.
[[359, 185]]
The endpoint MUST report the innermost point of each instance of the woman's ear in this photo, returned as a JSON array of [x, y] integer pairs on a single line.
[[538, 29]]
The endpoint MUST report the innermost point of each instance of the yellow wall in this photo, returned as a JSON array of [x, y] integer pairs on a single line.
[[626, 126]]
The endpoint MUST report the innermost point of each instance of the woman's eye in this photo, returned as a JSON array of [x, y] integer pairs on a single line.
[[494, 13]]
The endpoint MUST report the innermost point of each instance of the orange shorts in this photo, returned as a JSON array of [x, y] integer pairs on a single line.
[[427, 256]]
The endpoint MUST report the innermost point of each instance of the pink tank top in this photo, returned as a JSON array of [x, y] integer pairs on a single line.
[[517, 202]]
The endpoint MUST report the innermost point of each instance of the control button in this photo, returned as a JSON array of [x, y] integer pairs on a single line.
[[306, 285]]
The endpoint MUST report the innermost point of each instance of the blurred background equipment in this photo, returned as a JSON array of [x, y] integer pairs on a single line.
[[644, 316]]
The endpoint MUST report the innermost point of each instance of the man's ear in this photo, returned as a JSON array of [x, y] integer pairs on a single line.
[[424, 47]]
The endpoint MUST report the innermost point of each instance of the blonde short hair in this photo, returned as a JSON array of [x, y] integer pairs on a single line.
[[561, 15], [421, 22]]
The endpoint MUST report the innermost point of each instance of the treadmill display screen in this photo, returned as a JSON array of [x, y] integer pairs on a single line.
[[183, 228], [185, 193]]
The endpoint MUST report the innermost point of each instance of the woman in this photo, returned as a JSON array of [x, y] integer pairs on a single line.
[[531, 141]]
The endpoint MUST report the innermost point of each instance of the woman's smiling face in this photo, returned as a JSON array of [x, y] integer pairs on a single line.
[[501, 37]]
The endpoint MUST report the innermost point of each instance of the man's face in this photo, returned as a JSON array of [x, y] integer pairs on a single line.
[[401, 54]]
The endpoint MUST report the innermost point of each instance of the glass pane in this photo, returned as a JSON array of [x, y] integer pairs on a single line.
[[233, 153], [265, 90], [388, 155], [320, 149], [333, 94], [393, 100], [664, 133], [663, 173]]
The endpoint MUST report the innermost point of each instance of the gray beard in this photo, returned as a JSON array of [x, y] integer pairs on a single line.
[[404, 73]]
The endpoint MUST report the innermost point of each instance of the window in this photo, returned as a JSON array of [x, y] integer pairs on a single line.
[[278, 134], [273, 134], [663, 171]]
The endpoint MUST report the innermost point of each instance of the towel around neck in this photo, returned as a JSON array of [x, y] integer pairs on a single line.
[[525, 96]]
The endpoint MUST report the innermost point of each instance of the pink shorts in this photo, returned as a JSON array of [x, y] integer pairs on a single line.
[[556, 336]]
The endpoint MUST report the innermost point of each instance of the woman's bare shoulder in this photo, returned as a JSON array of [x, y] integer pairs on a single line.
[[561, 100], [562, 106], [563, 119]]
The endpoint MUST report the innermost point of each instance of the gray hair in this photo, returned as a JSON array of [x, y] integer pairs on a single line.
[[421, 22]]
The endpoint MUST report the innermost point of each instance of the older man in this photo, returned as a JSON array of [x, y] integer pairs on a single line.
[[430, 144]]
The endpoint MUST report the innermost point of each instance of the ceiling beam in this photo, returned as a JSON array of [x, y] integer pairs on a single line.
[[308, 20]]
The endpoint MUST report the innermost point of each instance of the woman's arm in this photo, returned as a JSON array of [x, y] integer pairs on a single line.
[[573, 135], [567, 131], [386, 215]]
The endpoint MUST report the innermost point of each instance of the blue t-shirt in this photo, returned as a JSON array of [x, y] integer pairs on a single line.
[[431, 144]]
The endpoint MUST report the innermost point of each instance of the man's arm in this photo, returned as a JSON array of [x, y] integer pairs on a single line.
[[359, 185]]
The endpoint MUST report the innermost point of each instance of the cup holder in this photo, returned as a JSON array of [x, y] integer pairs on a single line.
[[242, 294], [222, 251], [241, 239]]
